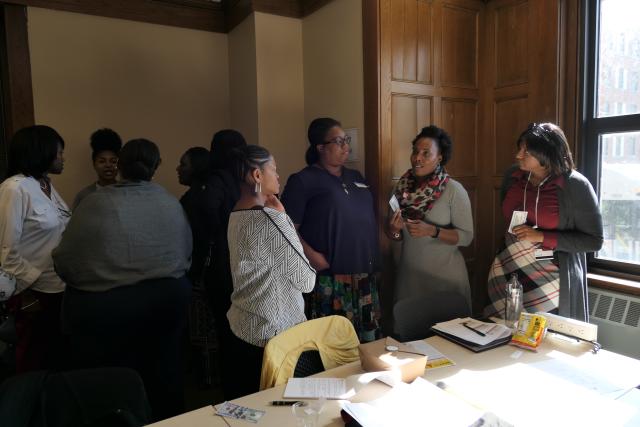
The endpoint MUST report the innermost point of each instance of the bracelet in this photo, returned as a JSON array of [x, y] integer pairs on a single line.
[[435, 236]]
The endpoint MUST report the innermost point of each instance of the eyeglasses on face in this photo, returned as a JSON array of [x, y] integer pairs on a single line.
[[340, 141]]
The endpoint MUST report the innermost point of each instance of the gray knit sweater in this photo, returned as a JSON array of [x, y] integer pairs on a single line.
[[123, 234], [579, 231]]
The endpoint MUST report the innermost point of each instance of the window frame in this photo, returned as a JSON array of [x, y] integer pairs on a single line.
[[593, 127]]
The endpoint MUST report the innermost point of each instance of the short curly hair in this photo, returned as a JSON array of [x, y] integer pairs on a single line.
[[442, 138], [105, 140]]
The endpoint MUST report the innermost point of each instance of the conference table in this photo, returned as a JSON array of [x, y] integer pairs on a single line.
[[564, 383]]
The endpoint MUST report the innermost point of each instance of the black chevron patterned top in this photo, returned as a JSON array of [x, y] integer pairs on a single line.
[[270, 273]]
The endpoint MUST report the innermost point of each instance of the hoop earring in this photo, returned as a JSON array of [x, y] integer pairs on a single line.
[[258, 188]]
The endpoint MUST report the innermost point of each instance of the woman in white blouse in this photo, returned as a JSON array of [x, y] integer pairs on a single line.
[[269, 269], [32, 219]]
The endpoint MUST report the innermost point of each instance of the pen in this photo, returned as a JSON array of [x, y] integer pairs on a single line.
[[283, 402], [482, 334]]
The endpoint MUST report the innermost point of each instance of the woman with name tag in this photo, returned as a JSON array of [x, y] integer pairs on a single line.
[[431, 216], [554, 220], [333, 210]]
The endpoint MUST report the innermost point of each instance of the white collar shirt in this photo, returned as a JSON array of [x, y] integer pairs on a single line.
[[31, 226]]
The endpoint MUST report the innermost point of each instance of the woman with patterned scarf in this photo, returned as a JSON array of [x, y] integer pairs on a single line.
[[434, 219]]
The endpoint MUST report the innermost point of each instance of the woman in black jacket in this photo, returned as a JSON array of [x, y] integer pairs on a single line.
[[212, 207]]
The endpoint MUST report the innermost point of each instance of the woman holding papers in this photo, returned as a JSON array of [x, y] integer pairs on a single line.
[[432, 220], [268, 266], [554, 220]]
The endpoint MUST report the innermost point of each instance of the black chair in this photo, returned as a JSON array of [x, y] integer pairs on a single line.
[[309, 363], [105, 397], [413, 317]]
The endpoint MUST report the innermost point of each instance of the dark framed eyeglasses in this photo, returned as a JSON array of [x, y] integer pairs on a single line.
[[340, 141]]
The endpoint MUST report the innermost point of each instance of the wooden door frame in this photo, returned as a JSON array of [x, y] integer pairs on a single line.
[[15, 69]]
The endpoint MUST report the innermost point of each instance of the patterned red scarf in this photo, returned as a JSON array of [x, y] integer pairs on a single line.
[[416, 197]]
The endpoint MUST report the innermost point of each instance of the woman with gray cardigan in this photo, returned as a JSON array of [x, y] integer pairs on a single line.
[[433, 219], [547, 250], [124, 256]]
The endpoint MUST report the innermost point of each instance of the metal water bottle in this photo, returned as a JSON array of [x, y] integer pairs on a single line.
[[513, 302]]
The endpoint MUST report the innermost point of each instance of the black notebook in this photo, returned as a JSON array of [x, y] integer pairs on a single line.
[[476, 348]]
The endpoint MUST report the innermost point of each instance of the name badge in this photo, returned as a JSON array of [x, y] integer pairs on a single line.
[[361, 185], [518, 218], [542, 254], [393, 202]]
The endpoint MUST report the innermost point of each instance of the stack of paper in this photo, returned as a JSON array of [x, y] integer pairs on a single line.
[[316, 388], [474, 331], [473, 334], [418, 404]]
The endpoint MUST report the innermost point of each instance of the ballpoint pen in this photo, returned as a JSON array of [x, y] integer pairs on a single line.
[[482, 334], [283, 402]]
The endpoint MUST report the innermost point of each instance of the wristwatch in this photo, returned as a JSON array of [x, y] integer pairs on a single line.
[[435, 236]]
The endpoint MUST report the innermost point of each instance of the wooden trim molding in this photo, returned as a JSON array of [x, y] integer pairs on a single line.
[[206, 15], [194, 14], [16, 70], [629, 287]]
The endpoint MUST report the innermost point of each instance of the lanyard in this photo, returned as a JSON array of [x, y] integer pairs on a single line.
[[524, 202]]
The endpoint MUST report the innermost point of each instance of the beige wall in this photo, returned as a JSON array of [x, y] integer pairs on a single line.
[[242, 80], [333, 82], [163, 83], [281, 91]]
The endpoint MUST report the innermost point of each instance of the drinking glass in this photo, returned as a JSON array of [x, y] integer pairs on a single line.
[[306, 413]]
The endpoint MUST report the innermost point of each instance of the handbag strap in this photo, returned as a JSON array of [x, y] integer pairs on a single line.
[[287, 239]]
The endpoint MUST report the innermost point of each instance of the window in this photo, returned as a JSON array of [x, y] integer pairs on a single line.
[[620, 79], [634, 83], [635, 48], [610, 148], [618, 146]]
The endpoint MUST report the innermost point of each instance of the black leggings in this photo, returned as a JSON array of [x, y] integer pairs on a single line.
[[247, 366], [139, 327]]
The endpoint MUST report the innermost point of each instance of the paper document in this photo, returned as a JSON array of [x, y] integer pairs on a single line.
[[418, 404], [472, 330], [393, 202], [435, 359], [315, 388], [517, 218]]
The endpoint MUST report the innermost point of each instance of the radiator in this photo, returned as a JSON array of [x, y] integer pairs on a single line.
[[618, 318]]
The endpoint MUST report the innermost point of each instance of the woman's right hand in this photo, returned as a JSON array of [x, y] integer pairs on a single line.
[[318, 260], [396, 222]]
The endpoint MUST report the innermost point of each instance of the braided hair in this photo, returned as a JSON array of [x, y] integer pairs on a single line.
[[246, 159]]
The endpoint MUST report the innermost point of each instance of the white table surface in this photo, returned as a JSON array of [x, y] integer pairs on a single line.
[[506, 381]]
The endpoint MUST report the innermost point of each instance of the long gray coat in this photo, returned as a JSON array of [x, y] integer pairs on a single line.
[[579, 231]]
